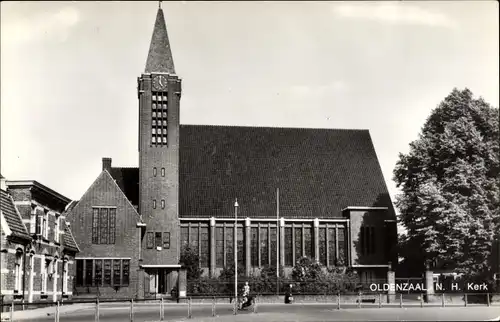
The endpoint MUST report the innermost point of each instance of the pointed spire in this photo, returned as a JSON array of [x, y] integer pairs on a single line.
[[160, 58]]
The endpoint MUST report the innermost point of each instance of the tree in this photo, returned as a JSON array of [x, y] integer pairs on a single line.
[[191, 261], [450, 185]]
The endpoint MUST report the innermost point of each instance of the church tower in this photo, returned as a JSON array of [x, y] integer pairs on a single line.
[[159, 91]]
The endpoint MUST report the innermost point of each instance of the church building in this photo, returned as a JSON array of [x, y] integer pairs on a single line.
[[284, 192]]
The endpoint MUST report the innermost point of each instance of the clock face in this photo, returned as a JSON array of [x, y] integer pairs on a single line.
[[159, 82]]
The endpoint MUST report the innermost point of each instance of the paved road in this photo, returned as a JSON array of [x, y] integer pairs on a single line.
[[277, 312]]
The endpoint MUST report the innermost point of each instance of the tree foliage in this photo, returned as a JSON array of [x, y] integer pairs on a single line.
[[191, 261], [450, 185]]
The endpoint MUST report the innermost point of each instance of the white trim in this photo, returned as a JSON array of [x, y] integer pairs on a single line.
[[368, 266], [140, 224], [23, 203], [161, 266], [4, 270], [364, 208], [267, 219], [8, 292]]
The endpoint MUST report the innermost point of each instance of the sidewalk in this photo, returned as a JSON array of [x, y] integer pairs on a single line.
[[46, 311]]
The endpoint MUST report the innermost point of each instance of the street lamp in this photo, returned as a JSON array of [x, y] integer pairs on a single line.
[[235, 247]]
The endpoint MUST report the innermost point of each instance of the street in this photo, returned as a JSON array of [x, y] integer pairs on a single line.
[[274, 312]]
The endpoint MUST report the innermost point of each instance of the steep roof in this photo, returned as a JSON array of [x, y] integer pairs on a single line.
[[128, 181], [160, 56], [68, 239], [12, 217], [318, 171]]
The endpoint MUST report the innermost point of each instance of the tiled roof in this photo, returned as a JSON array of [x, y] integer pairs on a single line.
[[68, 239], [128, 181], [319, 172], [159, 55], [12, 216]]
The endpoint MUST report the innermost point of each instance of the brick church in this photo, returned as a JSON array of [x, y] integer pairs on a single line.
[[318, 193]]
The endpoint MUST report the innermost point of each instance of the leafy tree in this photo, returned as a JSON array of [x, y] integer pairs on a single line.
[[191, 260], [451, 186]]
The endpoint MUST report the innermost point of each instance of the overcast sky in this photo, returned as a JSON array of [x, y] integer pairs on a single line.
[[69, 73]]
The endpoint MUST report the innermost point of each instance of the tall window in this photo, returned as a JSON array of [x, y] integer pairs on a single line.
[[322, 246], [162, 172], [107, 272], [229, 246], [154, 169], [274, 245], [43, 273], [219, 247], [102, 272], [56, 230], [166, 240], [98, 272], [150, 240], [162, 204], [288, 247], [103, 225], [342, 259], [255, 246], [89, 265], [154, 203], [332, 247], [125, 271], [79, 272], [205, 247], [159, 102], [17, 272], [184, 237], [241, 246], [264, 246], [194, 238], [158, 239], [117, 271], [308, 245], [298, 243]]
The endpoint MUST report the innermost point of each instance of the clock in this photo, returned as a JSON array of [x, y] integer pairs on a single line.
[[159, 82]]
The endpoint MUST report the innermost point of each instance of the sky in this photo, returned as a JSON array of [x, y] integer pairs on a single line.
[[69, 73]]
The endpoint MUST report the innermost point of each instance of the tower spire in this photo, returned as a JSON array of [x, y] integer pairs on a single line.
[[160, 58]]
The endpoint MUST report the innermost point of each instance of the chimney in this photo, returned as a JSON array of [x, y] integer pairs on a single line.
[[106, 164], [3, 186]]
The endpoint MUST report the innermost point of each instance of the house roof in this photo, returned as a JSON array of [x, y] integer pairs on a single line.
[[128, 181], [68, 239], [12, 217], [318, 172]]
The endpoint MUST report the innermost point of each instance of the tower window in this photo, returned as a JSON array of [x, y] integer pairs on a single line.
[[154, 122], [164, 97], [154, 114], [164, 106], [154, 130], [153, 139], [154, 172], [164, 114], [154, 98], [164, 131], [164, 140], [154, 106], [162, 204], [162, 172], [164, 122], [154, 203]]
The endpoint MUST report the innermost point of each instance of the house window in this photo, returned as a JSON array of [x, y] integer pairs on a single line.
[[45, 228], [158, 239], [298, 243], [322, 246], [43, 273], [162, 204], [117, 272], [125, 272], [150, 240], [154, 169], [205, 247], [65, 277], [254, 231], [332, 250], [39, 223], [95, 226], [194, 238], [56, 230], [219, 246], [162, 172], [288, 246], [107, 272], [17, 272], [264, 247], [166, 240], [229, 246]]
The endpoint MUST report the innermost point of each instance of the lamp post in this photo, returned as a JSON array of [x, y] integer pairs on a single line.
[[235, 247]]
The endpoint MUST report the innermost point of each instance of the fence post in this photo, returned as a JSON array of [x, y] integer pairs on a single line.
[[161, 309], [465, 299], [422, 300], [442, 300], [213, 307], [97, 310], [57, 312], [379, 300], [189, 308], [12, 311], [488, 299], [338, 301], [131, 310], [359, 300], [255, 305], [400, 300]]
